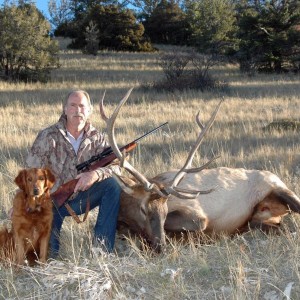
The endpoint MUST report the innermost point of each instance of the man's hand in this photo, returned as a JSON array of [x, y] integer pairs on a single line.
[[85, 181]]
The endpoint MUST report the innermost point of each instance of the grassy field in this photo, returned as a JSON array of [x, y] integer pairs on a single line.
[[250, 266]]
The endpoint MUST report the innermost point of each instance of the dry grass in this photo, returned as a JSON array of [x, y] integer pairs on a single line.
[[252, 266]]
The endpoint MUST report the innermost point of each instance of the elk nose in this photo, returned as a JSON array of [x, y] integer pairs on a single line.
[[157, 248]]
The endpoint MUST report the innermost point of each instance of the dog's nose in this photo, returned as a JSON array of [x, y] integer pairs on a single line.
[[35, 191]]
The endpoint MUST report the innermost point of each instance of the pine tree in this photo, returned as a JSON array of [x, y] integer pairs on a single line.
[[167, 24], [270, 36], [26, 50], [91, 38], [213, 24]]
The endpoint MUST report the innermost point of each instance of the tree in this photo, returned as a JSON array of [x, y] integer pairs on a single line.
[[146, 7], [81, 7], [91, 38], [269, 36], [212, 22], [167, 24], [118, 29], [60, 12], [26, 50]]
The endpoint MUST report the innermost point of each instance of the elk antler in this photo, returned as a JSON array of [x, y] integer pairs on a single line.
[[187, 166], [110, 122]]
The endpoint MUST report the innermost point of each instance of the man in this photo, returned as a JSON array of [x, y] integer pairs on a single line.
[[62, 146]]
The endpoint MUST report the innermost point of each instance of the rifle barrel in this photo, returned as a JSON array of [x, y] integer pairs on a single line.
[[150, 132], [108, 150]]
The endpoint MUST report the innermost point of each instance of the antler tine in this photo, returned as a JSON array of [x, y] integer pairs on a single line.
[[110, 123], [198, 120], [204, 129], [196, 170], [101, 108]]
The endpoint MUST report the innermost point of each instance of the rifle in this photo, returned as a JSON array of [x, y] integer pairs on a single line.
[[63, 193]]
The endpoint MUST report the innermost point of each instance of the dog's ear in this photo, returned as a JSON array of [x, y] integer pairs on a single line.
[[50, 178], [20, 180]]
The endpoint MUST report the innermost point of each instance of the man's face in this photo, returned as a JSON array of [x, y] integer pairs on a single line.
[[77, 109]]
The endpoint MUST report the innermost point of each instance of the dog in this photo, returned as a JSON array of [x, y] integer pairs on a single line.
[[32, 215]]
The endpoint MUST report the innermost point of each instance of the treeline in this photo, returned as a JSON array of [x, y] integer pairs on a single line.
[[259, 35]]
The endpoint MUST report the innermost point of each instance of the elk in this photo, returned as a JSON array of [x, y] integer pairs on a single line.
[[143, 202], [233, 199]]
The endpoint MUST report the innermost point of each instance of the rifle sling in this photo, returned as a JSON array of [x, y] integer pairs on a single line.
[[73, 214]]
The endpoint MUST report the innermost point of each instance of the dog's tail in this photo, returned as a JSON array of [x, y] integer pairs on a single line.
[[6, 245]]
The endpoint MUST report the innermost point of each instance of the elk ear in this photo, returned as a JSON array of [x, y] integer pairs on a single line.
[[20, 180], [50, 178], [127, 189]]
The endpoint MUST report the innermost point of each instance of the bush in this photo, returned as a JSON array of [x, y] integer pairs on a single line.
[[188, 70], [283, 125]]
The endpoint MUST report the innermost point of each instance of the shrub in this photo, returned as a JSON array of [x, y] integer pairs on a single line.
[[283, 125], [187, 70]]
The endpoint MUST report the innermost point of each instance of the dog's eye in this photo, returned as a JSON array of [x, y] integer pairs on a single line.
[[29, 179], [41, 178]]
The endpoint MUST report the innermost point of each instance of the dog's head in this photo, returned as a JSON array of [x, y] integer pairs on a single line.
[[35, 183]]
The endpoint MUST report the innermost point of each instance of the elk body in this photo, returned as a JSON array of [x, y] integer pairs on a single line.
[[241, 199], [219, 200]]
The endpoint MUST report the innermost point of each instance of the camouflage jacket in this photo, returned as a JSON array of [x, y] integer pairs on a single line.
[[52, 149]]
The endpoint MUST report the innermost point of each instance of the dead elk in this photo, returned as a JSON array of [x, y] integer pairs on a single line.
[[232, 200], [143, 202]]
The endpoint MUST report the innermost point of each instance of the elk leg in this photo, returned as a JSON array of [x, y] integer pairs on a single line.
[[185, 219]]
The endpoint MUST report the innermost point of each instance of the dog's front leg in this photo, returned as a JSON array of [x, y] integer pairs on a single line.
[[20, 250], [44, 243]]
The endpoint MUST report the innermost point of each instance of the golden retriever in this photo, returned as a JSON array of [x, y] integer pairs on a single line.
[[32, 215]]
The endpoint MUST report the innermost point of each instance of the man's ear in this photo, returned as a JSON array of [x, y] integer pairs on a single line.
[[20, 180]]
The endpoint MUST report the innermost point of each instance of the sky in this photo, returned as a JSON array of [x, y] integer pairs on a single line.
[[42, 5]]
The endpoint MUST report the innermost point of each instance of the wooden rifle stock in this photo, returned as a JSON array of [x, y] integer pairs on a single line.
[[65, 191]]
